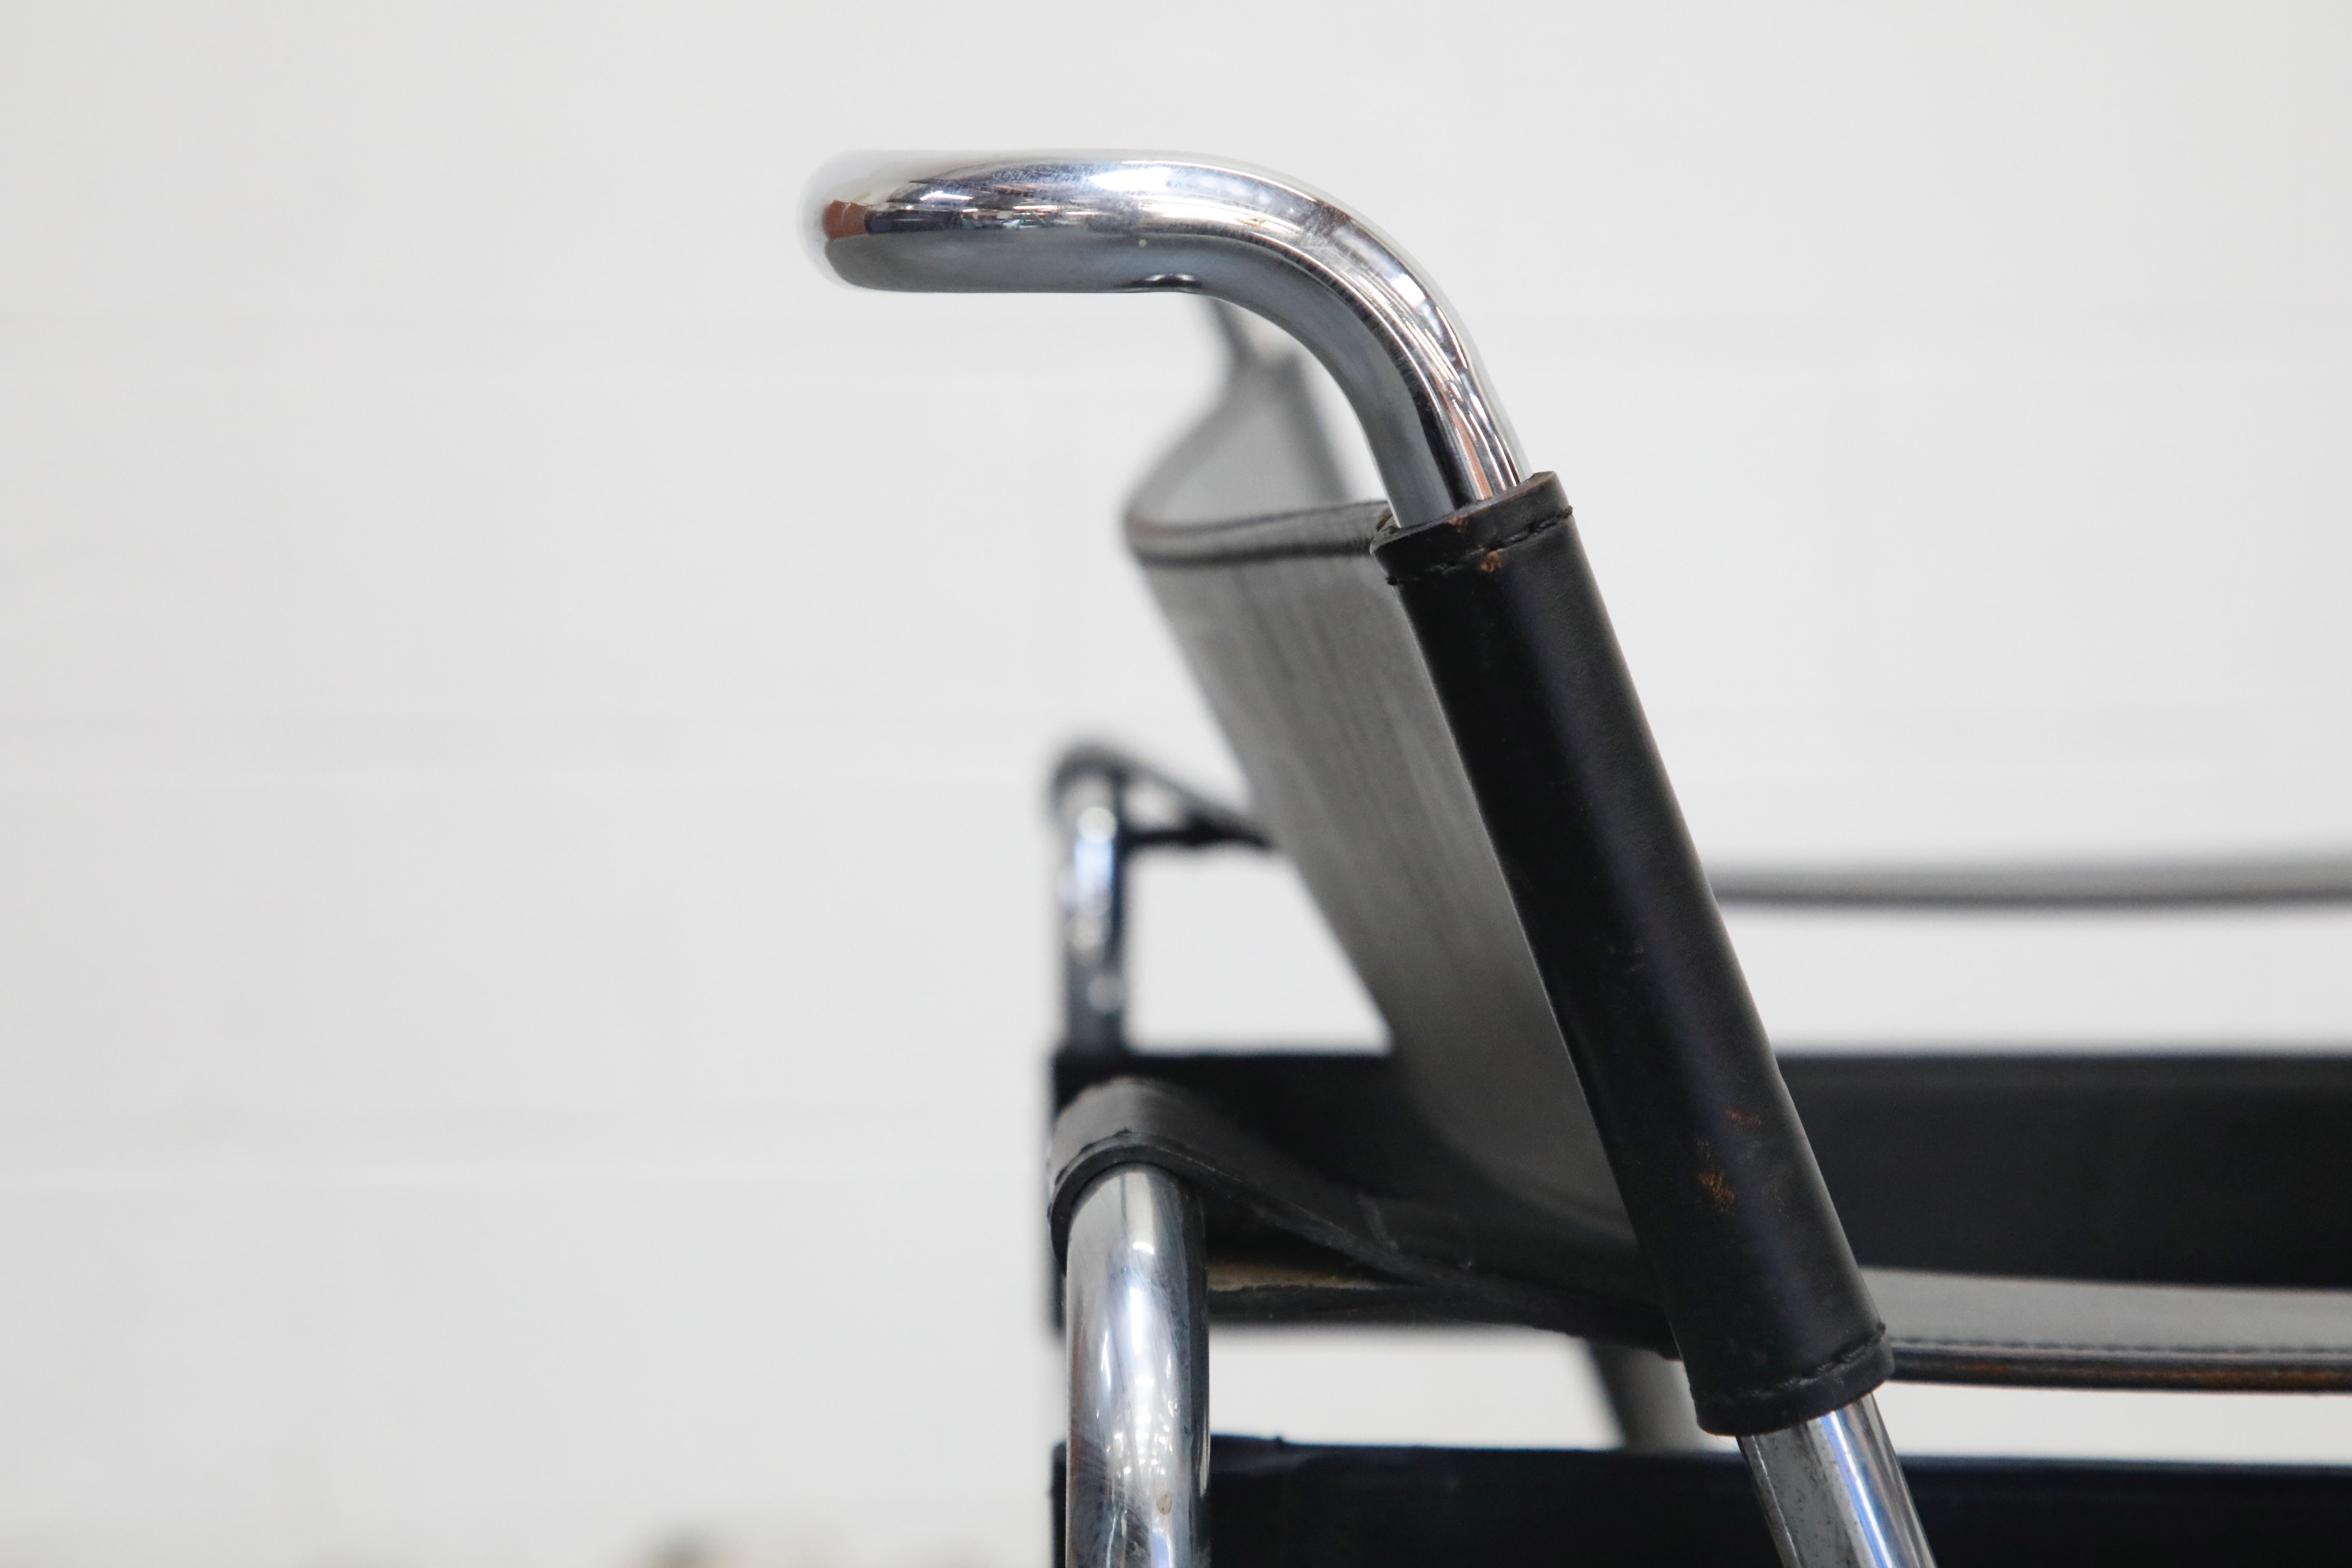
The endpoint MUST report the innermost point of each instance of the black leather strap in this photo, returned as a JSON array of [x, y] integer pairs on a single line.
[[1281, 1505], [2072, 1333], [2222, 1167], [1766, 1304], [1322, 1152], [1500, 1266]]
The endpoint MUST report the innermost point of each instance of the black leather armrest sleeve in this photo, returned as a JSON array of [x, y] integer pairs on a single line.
[[1771, 1312]]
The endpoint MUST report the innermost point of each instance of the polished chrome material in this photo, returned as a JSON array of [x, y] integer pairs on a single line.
[[1834, 1495], [1135, 1302], [1110, 222], [1109, 807], [1090, 810]]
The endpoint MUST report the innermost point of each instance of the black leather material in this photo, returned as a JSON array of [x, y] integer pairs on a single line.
[[2024, 1221], [1307, 661], [1387, 1223], [1305, 656], [1470, 1252], [2204, 1169], [1766, 1304], [1281, 1505], [2072, 1333]]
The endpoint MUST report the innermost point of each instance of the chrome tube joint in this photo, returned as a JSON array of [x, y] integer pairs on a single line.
[[1136, 1308], [1113, 221]]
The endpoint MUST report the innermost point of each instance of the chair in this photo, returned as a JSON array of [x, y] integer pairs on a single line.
[[1579, 1124]]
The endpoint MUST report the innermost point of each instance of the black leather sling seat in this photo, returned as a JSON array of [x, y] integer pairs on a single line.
[[1285, 1505], [2136, 1221]]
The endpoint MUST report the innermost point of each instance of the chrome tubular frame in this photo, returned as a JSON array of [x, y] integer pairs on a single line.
[[1109, 807], [1834, 1495], [1112, 222], [1135, 1302], [1091, 890]]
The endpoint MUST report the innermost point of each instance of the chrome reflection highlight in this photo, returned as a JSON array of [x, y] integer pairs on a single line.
[[1110, 222], [1834, 1495], [1135, 1302], [1091, 892]]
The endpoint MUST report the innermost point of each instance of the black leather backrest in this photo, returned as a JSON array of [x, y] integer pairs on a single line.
[[1312, 670]]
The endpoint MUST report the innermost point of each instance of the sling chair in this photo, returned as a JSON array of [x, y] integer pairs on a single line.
[[1579, 1124]]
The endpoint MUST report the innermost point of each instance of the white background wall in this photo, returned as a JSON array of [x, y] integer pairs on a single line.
[[523, 950]]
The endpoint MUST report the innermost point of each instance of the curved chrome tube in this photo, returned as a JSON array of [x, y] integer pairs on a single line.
[[1110, 222]]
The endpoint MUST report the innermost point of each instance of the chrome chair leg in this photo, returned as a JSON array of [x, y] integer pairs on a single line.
[[1135, 1303], [1834, 1495]]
